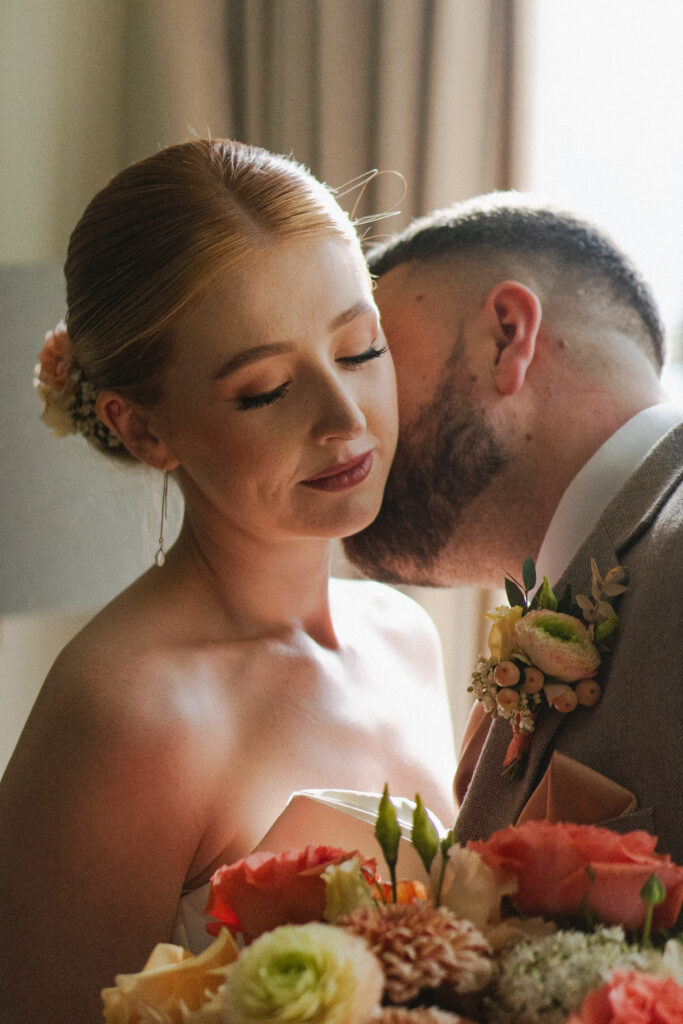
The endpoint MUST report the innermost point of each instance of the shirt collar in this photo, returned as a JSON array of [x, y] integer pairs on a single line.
[[600, 480]]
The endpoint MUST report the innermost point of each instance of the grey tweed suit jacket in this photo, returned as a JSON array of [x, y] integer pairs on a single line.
[[634, 736]]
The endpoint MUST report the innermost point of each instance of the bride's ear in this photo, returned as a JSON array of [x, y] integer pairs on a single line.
[[131, 425], [515, 314]]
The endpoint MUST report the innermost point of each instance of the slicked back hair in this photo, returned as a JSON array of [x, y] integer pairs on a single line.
[[510, 224]]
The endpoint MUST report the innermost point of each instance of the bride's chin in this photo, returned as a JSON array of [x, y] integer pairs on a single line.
[[345, 525]]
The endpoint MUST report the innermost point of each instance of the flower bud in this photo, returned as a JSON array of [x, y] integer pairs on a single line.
[[561, 697], [506, 673], [588, 692], [533, 679], [507, 699]]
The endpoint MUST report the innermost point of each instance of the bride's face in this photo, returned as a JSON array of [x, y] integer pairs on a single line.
[[279, 403]]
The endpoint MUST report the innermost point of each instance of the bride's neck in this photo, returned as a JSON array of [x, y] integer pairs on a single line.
[[262, 589]]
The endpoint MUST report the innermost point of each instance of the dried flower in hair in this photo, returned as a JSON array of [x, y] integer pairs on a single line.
[[55, 378]]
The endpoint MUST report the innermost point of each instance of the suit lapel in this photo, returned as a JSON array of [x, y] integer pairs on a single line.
[[493, 802]]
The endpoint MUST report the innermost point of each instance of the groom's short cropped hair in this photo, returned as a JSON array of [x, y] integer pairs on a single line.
[[512, 225]]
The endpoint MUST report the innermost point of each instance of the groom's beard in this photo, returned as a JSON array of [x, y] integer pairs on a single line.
[[443, 461]]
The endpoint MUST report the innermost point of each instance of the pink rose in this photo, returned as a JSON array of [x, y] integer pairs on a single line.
[[632, 997], [265, 890], [562, 867], [55, 360]]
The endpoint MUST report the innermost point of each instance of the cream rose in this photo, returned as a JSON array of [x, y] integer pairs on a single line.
[[171, 983]]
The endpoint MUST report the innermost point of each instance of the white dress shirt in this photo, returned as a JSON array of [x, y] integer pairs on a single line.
[[600, 480]]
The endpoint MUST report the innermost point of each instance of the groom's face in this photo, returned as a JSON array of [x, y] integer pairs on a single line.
[[447, 451]]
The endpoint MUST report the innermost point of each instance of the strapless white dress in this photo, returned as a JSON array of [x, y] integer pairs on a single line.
[[330, 817]]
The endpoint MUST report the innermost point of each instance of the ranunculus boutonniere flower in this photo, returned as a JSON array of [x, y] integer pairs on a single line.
[[557, 644], [265, 890]]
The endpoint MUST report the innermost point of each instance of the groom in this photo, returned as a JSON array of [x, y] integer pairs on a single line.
[[528, 352]]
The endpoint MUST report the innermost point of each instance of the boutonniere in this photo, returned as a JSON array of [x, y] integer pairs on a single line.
[[544, 650]]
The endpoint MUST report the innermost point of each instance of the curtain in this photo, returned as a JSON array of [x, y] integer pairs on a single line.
[[417, 87]]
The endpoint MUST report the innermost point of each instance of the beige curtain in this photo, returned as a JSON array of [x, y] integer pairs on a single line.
[[414, 86]]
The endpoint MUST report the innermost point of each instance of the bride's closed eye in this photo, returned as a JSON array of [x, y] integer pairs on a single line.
[[259, 401], [363, 357], [268, 397]]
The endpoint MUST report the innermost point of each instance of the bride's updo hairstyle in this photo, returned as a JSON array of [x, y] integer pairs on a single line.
[[157, 235]]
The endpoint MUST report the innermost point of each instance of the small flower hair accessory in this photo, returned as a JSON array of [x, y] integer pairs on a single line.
[[68, 398], [543, 653]]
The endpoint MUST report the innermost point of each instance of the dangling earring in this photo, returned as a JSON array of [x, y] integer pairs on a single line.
[[160, 556]]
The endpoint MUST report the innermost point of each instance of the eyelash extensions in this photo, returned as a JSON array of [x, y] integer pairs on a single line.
[[350, 362]]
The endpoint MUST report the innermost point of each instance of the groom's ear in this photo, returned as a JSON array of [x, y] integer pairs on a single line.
[[130, 424], [514, 314]]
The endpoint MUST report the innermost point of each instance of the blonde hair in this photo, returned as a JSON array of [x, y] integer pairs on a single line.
[[162, 230]]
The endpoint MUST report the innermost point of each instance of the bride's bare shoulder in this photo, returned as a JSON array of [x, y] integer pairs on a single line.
[[127, 671]]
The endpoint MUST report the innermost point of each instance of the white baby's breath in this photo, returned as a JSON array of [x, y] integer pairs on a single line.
[[543, 980]]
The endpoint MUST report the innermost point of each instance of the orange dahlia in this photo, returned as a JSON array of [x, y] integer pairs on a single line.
[[421, 947]]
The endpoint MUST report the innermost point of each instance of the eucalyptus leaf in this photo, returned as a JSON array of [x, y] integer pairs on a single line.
[[514, 593], [529, 574]]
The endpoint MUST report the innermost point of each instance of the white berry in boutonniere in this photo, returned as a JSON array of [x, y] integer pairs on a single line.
[[544, 651]]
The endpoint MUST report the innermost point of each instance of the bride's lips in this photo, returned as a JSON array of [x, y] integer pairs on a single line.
[[342, 475]]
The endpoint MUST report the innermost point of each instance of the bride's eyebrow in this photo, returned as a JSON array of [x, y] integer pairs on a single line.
[[252, 355], [358, 309], [275, 348]]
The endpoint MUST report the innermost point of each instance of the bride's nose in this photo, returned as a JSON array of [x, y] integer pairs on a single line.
[[337, 412]]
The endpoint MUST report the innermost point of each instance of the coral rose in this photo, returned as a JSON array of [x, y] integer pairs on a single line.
[[632, 997], [558, 644], [562, 867], [265, 890]]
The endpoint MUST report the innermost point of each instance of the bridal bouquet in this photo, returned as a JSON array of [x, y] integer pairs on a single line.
[[543, 923]]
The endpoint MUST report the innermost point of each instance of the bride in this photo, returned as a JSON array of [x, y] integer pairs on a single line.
[[220, 328]]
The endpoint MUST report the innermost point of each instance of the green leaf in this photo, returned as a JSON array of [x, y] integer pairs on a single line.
[[515, 594], [387, 831], [425, 837], [606, 627], [450, 839], [529, 574]]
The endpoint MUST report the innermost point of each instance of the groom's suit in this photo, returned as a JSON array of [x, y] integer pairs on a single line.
[[634, 737]]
